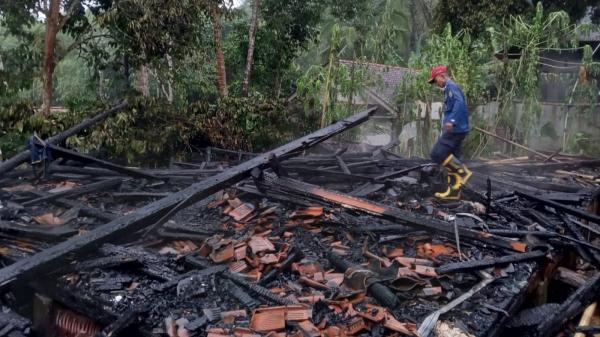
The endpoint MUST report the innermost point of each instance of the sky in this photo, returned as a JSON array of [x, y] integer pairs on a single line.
[[237, 3]]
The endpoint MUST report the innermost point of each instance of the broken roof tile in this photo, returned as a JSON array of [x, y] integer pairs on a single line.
[[393, 324], [269, 259], [268, 319], [435, 250], [242, 212], [238, 267], [224, 254], [240, 252], [391, 253], [308, 329], [356, 325], [425, 271], [260, 244], [297, 313]]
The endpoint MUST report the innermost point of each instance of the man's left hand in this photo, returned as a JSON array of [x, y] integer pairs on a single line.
[[448, 126]]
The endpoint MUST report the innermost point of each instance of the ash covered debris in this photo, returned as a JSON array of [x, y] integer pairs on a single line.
[[331, 245]]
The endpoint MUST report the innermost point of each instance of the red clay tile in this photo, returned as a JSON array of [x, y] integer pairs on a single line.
[[224, 254], [260, 244], [426, 271], [308, 329], [242, 212], [268, 319]]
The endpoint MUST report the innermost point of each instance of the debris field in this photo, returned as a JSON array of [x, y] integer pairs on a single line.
[[309, 239]]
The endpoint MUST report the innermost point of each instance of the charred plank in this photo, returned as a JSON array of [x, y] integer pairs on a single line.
[[53, 257], [566, 209], [571, 307], [58, 151], [77, 191], [389, 213], [488, 263]]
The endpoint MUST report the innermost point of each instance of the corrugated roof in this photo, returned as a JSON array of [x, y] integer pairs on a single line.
[[388, 77]]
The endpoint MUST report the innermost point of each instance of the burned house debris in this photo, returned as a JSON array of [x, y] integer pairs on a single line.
[[290, 243]]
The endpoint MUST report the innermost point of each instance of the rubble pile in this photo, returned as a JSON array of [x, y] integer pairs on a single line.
[[336, 244]]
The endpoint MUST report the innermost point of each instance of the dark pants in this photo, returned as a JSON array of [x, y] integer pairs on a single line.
[[449, 143]]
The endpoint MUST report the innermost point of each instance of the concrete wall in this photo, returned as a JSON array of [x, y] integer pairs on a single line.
[[547, 133]]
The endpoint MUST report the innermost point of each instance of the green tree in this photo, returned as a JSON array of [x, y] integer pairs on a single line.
[[475, 16], [60, 16]]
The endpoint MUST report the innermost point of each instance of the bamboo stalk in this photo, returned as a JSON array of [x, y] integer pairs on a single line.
[[515, 144]]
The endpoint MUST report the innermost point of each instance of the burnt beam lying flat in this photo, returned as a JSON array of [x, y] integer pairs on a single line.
[[571, 307], [86, 123], [83, 209], [487, 263], [77, 191], [558, 206], [304, 190], [58, 151], [148, 215]]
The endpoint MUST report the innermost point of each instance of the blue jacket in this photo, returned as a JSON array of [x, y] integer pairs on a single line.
[[455, 108]]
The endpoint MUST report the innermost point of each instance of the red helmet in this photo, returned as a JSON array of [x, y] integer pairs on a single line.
[[436, 71]]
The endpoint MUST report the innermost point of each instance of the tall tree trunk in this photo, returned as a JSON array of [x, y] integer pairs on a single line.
[[251, 41], [143, 81], [215, 17], [170, 78], [126, 71], [48, 64]]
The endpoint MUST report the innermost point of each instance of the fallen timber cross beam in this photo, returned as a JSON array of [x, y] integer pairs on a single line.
[[53, 257], [24, 156], [558, 206], [298, 188], [70, 154], [100, 186], [485, 263]]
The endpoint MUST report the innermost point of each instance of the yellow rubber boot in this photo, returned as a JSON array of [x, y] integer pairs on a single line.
[[462, 172], [450, 193]]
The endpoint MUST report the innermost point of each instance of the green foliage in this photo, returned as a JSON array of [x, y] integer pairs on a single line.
[[466, 59], [518, 79], [475, 16], [584, 143], [147, 30], [152, 128]]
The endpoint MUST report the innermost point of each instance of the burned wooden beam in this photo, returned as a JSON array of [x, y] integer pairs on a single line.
[[58, 151], [77, 191], [566, 209], [83, 209], [569, 277], [387, 212], [579, 236], [488, 263], [402, 172], [571, 307], [53, 234], [56, 139], [149, 214]]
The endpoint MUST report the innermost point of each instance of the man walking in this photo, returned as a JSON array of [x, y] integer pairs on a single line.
[[455, 127]]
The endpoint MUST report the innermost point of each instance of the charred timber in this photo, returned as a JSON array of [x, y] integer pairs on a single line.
[[571, 307], [488, 263], [58, 151], [558, 206], [389, 213], [77, 191], [151, 213]]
